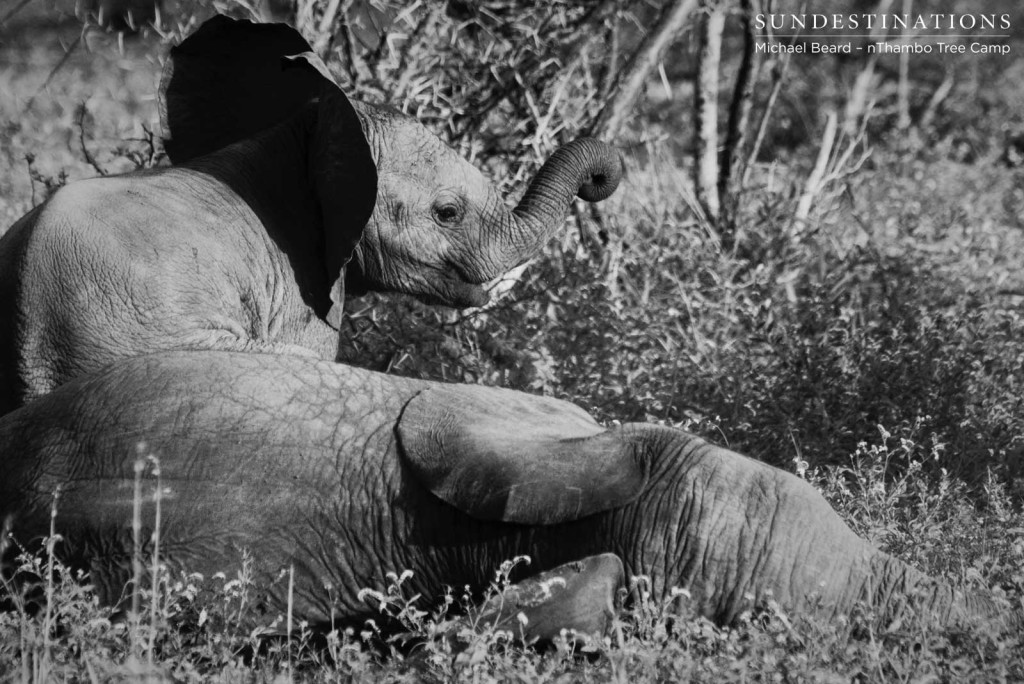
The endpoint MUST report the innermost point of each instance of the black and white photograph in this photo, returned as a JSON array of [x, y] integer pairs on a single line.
[[511, 341]]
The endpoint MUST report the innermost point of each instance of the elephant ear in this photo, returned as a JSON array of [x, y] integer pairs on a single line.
[[345, 179], [225, 83], [232, 79], [507, 456]]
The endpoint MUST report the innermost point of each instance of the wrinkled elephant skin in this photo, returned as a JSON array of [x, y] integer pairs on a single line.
[[282, 195], [347, 474]]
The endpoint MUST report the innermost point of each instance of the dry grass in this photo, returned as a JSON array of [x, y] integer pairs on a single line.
[[900, 306]]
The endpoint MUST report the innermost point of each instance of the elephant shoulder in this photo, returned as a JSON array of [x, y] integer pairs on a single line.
[[501, 455], [121, 218], [66, 223], [106, 242]]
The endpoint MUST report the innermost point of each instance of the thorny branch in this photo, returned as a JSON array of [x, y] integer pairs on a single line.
[[80, 114]]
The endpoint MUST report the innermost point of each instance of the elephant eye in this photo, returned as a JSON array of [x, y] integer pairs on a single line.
[[447, 213]]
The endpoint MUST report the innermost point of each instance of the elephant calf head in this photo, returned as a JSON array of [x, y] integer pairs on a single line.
[[410, 214]]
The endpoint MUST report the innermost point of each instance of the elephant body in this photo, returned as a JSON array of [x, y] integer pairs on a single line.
[[84, 290], [131, 303], [345, 474], [283, 194]]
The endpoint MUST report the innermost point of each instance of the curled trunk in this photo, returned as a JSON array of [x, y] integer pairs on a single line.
[[587, 168]]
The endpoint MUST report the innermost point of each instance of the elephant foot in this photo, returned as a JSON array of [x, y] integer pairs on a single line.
[[576, 596]]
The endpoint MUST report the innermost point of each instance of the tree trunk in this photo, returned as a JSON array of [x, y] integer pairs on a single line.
[[729, 183], [650, 51], [706, 109]]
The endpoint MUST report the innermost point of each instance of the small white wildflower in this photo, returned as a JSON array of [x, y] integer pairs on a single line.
[[640, 579], [547, 585], [375, 595], [800, 466]]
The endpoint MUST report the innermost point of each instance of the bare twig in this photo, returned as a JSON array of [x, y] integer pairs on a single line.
[[903, 87], [80, 113], [779, 69], [611, 63], [291, 605], [53, 72], [135, 617], [149, 139], [49, 183], [739, 109], [835, 163], [816, 179], [155, 571], [857, 104], [936, 100], [14, 10], [51, 542]]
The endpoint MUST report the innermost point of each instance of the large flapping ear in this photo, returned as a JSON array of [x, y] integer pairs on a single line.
[[345, 178], [232, 79], [502, 455], [226, 82]]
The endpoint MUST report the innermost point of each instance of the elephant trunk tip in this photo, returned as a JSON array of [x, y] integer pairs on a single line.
[[599, 187], [586, 168], [605, 171]]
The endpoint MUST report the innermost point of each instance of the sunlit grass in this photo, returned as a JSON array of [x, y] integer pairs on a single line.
[[901, 307], [186, 626]]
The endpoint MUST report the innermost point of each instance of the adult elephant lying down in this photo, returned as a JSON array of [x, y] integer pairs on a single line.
[[348, 474]]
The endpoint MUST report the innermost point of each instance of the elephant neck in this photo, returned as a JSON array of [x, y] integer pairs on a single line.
[[272, 175]]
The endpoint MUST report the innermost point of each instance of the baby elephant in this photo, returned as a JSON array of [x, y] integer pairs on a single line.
[[345, 474], [283, 195]]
